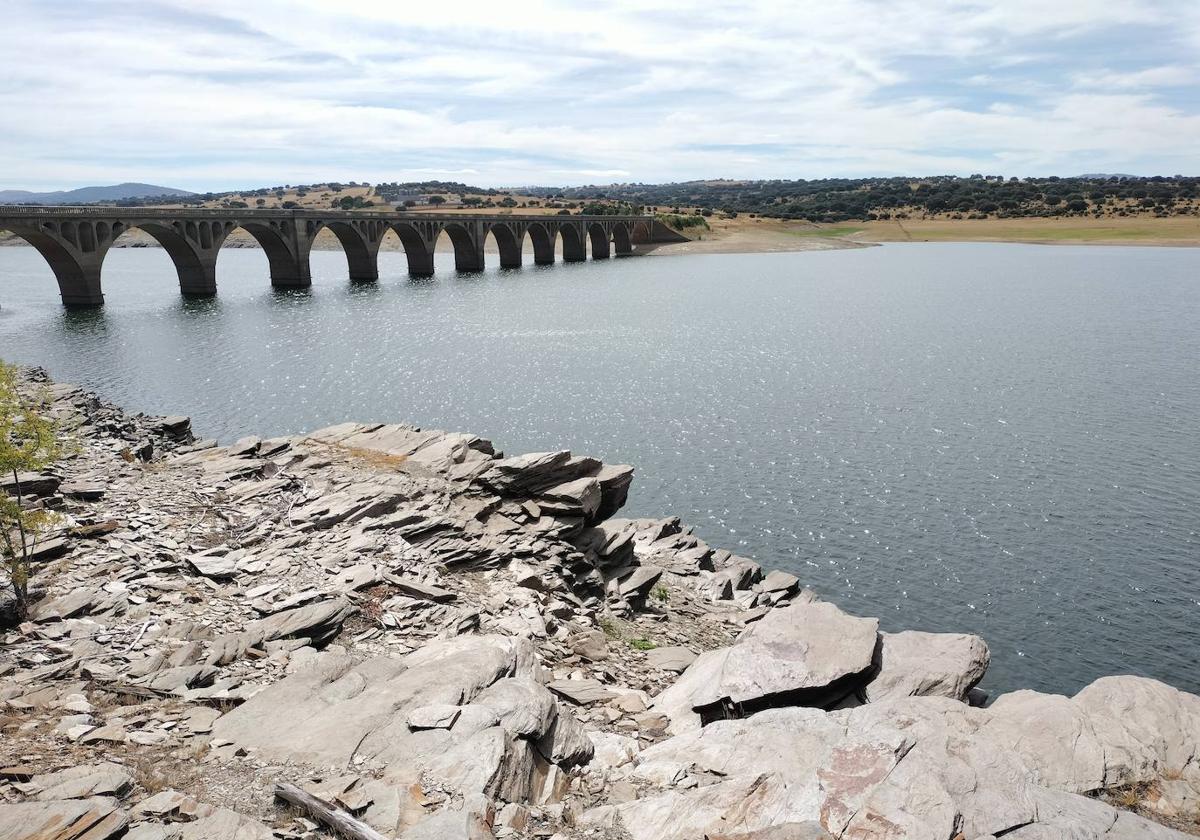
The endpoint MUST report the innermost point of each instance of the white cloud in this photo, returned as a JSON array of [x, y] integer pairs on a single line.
[[237, 94]]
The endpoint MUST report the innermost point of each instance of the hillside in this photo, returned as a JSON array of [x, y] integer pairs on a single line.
[[90, 195], [869, 199]]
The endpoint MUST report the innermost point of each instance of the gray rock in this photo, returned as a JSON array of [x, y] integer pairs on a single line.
[[675, 659], [639, 582], [808, 654], [97, 818], [439, 716], [358, 713], [217, 566], [580, 497], [82, 781], [779, 581], [527, 474], [912, 663], [581, 692]]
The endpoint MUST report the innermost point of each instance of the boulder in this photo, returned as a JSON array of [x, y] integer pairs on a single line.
[[97, 818], [807, 654], [912, 664], [526, 475], [393, 715]]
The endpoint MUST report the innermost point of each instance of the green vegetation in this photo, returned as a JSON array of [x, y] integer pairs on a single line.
[[28, 443], [610, 627], [661, 593], [676, 221], [642, 644], [833, 200]]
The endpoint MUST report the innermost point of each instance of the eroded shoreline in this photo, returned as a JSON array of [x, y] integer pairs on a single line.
[[443, 642]]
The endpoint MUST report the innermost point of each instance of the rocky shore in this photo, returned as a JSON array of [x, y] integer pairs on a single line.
[[384, 631]]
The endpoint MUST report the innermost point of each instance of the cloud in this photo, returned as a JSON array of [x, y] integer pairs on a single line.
[[248, 94]]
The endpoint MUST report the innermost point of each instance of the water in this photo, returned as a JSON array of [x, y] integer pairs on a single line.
[[999, 439]]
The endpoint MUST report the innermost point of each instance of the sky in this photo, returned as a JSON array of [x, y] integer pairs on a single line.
[[223, 95]]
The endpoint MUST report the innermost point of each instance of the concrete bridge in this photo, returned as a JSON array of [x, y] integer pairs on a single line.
[[75, 240]]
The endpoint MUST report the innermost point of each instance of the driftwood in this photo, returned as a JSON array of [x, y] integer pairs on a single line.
[[339, 821]]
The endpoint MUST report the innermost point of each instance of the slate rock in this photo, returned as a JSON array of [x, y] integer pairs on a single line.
[[809, 654], [912, 663]]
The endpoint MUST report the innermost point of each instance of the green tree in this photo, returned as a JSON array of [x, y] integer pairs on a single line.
[[28, 443], [436, 199]]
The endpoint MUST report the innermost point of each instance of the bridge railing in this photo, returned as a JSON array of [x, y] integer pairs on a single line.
[[26, 210]]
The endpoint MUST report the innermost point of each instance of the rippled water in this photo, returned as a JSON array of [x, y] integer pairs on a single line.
[[1000, 439]]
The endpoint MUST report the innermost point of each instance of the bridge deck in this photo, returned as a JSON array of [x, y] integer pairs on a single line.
[[74, 240]]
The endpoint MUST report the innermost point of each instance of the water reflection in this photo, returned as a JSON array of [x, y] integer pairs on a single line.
[[92, 321]]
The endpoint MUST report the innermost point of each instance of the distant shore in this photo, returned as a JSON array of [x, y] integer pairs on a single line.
[[753, 235]]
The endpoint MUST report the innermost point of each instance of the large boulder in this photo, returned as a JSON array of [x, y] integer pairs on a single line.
[[921, 767], [1117, 731], [505, 739], [807, 654], [927, 664]]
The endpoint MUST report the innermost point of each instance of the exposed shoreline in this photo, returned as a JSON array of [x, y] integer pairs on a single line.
[[745, 235], [423, 632]]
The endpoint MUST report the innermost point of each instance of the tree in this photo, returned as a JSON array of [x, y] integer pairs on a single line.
[[436, 199], [28, 443]]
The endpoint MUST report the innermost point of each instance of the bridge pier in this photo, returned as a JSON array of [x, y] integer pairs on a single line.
[[574, 249], [467, 239], [599, 236], [543, 243]]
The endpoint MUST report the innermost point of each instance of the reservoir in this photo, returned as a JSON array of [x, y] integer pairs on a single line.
[[995, 439]]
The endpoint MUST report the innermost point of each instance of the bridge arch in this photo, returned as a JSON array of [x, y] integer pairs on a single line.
[[508, 243], [360, 242], [77, 273], [192, 248], [573, 248], [543, 243], [287, 269], [599, 237], [468, 250], [418, 239], [622, 241]]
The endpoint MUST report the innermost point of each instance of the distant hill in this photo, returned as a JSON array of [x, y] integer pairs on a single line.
[[89, 195]]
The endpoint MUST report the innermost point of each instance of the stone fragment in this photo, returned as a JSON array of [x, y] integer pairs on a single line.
[[440, 716], [780, 581], [97, 818], [82, 781], [640, 581], [927, 664], [581, 692], [671, 658]]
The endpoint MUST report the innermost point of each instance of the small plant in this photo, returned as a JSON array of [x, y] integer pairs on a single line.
[[28, 443], [610, 627], [661, 593], [642, 644]]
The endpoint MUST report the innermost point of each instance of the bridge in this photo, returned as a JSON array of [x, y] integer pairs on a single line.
[[75, 240]]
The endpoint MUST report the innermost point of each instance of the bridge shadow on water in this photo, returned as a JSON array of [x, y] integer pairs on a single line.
[[90, 322]]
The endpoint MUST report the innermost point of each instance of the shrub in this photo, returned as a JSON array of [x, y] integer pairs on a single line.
[[28, 443]]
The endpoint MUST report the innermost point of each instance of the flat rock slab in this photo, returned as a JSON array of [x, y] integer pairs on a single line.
[[676, 659], [81, 782], [915, 664], [581, 692], [807, 654], [98, 818]]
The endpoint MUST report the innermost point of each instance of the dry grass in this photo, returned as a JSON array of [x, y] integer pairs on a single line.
[[361, 456], [1118, 230]]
